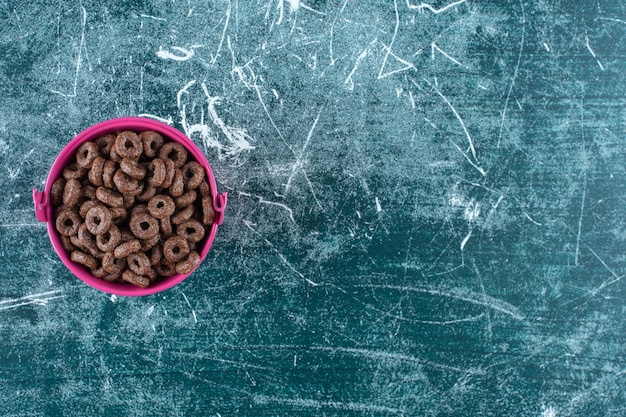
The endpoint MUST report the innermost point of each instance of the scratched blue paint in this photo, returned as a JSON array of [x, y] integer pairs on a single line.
[[426, 208]]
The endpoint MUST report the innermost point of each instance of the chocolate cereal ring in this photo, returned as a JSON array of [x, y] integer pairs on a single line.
[[204, 188], [86, 154], [98, 272], [107, 173], [137, 280], [74, 171], [109, 240], [156, 172], [183, 215], [67, 244], [114, 156], [85, 207], [178, 184], [126, 234], [110, 197], [147, 193], [161, 206], [139, 208], [133, 168], [165, 268], [87, 241], [193, 174], [127, 248], [95, 173], [148, 244], [71, 192], [105, 143], [144, 226], [156, 253], [138, 263], [186, 199], [98, 219], [56, 191], [119, 214], [152, 142], [113, 265], [175, 249], [89, 191], [126, 184], [129, 201], [128, 145], [67, 222], [174, 151], [152, 275], [189, 264], [113, 278], [166, 226], [169, 173], [191, 230], [208, 213], [84, 259]]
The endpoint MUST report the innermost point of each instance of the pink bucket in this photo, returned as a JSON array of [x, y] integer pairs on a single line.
[[44, 210]]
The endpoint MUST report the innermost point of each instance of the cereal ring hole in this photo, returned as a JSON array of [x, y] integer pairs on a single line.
[[144, 225]]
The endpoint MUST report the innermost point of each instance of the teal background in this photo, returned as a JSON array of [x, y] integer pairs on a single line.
[[426, 211]]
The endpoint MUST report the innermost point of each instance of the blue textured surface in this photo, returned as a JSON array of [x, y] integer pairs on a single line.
[[426, 214]]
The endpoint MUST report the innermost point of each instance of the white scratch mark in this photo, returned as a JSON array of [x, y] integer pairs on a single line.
[[532, 220], [466, 239], [149, 311], [168, 121], [79, 61], [434, 47], [267, 113], [407, 65], [219, 46], [480, 169], [420, 8], [356, 65], [605, 284], [153, 17], [237, 137], [193, 312], [181, 55], [40, 299], [384, 355], [298, 164], [378, 206], [304, 6], [264, 201], [113, 298], [545, 45], [335, 405], [467, 135], [460, 294], [580, 219], [447, 322], [183, 91], [249, 224], [593, 54], [517, 65]]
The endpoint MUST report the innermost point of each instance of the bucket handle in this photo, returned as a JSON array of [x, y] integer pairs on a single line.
[[219, 205], [41, 204]]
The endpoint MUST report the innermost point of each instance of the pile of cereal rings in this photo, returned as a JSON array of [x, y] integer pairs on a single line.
[[132, 207]]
